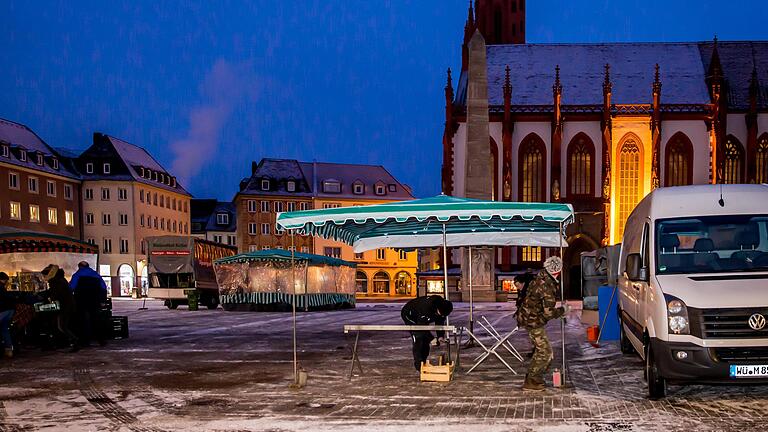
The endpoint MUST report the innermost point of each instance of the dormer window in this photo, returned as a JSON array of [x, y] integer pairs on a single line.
[[331, 186], [173, 181], [162, 178], [380, 190], [264, 184], [23, 155], [89, 168], [107, 168], [222, 219], [154, 175], [290, 186], [55, 163], [40, 159], [6, 151], [392, 188], [141, 171], [358, 188]]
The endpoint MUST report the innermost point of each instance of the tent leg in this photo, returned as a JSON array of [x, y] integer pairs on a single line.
[[293, 311], [471, 297], [562, 297], [445, 281]]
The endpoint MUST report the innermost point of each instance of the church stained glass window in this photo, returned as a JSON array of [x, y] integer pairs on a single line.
[[734, 161]]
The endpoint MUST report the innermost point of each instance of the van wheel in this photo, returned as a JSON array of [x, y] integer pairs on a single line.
[[624, 343], [170, 304], [213, 302], [657, 385]]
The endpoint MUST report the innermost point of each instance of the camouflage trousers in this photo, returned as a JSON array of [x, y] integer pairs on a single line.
[[542, 353]]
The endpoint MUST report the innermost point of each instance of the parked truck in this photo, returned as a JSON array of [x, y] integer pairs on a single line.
[[178, 264]]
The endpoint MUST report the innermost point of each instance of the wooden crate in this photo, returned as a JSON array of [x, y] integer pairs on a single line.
[[437, 373]]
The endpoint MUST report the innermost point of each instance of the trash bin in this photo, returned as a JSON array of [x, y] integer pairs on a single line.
[[193, 299], [608, 306]]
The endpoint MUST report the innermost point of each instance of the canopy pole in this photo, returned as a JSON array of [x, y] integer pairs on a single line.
[[562, 297], [471, 297], [293, 310], [445, 264]]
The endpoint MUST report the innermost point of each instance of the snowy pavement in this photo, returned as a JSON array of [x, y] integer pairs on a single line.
[[217, 370]]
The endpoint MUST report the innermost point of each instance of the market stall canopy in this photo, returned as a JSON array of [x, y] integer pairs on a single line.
[[284, 255], [420, 223]]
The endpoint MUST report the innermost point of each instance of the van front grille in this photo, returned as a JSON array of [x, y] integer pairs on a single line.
[[741, 354], [726, 323]]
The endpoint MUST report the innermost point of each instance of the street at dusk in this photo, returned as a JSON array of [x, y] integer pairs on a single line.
[[383, 215]]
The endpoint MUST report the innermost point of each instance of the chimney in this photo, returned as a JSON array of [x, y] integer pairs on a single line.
[[254, 165]]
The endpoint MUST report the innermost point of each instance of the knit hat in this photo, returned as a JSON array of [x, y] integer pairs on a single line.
[[553, 265]]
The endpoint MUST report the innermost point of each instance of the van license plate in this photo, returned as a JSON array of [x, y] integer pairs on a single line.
[[749, 371]]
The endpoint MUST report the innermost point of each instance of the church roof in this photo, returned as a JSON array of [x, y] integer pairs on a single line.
[[683, 69]]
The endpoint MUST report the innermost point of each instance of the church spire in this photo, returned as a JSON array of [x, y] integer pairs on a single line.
[[715, 71]]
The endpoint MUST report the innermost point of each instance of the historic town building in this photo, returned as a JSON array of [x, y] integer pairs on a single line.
[[39, 188], [128, 196], [214, 220], [597, 125], [278, 185]]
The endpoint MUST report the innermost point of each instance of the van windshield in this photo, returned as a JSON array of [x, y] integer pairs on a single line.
[[712, 244]]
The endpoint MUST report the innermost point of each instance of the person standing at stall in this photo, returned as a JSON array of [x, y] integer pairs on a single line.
[[90, 294], [58, 290], [423, 311], [7, 308], [537, 308]]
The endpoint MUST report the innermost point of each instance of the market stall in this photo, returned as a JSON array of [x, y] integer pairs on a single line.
[[438, 221], [24, 253], [267, 280]]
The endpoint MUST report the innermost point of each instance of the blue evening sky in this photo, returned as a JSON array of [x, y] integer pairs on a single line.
[[208, 86]]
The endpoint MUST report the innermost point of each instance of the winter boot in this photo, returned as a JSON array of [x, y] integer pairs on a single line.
[[533, 384]]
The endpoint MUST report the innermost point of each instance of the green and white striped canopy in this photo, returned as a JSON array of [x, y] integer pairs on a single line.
[[419, 223]]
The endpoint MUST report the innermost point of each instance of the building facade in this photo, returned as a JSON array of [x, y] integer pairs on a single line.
[[214, 220], [127, 197], [597, 125], [278, 185], [39, 188]]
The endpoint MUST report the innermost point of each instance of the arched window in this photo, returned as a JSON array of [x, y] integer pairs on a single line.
[[403, 283], [734, 161], [761, 160], [361, 283], [581, 166], [381, 283], [532, 169], [678, 170], [630, 180]]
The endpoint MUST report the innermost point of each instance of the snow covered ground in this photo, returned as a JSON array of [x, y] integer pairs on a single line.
[[217, 370]]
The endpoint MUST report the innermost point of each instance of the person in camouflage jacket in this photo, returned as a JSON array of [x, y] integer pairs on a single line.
[[537, 308]]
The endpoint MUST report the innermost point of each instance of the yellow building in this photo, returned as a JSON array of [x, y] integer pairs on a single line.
[[278, 185]]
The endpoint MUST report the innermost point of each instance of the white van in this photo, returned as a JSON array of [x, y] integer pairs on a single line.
[[693, 285]]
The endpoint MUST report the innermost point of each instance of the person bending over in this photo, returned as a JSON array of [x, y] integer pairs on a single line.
[[423, 311]]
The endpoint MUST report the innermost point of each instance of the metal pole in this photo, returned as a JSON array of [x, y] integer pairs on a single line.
[[293, 310], [445, 264], [471, 297], [562, 297]]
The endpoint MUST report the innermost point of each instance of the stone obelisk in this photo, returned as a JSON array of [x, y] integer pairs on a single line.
[[478, 179]]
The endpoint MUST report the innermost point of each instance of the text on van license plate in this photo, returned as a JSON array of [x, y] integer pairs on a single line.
[[749, 371]]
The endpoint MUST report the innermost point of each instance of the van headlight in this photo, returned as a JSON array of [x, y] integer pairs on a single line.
[[677, 315]]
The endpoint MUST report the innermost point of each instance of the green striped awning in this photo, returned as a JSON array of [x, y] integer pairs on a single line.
[[420, 223], [283, 255]]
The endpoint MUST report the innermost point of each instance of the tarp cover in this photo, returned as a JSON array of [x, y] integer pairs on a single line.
[[277, 276], [170, 254]]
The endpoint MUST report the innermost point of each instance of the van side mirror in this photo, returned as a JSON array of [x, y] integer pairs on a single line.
[[635, 269]]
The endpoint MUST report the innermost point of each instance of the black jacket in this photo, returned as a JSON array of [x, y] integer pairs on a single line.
[[59, 291], [7, 300], [422, 311]]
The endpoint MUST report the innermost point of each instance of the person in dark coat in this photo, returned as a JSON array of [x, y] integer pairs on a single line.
[[90, 293], [423, 311], [7, 309], [58, 290]]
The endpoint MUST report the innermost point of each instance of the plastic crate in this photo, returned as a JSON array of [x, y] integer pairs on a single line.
[[119, 327]]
